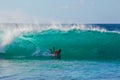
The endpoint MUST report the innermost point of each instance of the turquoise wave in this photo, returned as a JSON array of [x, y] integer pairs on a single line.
[[75, 45]]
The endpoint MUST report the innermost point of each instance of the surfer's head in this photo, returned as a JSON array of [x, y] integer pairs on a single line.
[[60, 50]]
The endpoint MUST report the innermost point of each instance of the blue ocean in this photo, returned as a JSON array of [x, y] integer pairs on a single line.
[[89, 51]]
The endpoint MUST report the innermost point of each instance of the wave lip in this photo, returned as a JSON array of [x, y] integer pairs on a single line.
[[11, 31]]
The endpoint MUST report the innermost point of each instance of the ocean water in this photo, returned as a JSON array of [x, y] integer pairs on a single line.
[[89, 52], [58, 70]]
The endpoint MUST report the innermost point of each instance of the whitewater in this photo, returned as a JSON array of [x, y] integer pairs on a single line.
[[89, 51]]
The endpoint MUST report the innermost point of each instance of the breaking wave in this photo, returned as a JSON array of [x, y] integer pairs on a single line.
[[76, 41]]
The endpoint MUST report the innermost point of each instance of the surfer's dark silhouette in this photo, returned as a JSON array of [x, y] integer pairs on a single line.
[[56, 54]]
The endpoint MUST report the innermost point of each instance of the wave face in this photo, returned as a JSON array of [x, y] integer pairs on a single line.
[[76, 41]]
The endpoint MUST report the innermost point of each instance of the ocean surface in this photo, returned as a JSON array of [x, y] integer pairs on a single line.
[[89, 51]]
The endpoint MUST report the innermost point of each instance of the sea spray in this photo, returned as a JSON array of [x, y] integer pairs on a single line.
[[8, 32]]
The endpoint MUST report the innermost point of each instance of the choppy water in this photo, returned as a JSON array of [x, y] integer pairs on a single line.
[[58, 70]]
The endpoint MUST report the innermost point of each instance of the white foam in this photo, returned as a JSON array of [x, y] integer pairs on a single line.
[[10, 31], [37, 52]]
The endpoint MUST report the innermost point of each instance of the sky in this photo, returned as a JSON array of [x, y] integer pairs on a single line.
[[60, 11]]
